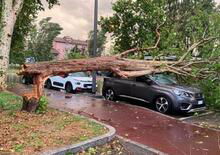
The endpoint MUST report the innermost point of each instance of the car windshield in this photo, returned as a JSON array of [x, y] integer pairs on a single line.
[[163, 79], [79, 74]]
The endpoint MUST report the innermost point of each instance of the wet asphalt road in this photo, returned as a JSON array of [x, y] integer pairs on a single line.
[[139, 124]]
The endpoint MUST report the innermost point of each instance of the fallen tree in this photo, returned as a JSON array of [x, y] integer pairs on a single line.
[[121, 66], [117, 64]]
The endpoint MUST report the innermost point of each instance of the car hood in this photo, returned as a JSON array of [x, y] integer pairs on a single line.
[[83, 79], [183, 88]]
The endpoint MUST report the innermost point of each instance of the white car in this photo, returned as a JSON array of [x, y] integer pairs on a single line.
[[72, 83]]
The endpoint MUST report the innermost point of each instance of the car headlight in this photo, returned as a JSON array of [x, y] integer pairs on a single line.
[[78, 83], [183, 93]]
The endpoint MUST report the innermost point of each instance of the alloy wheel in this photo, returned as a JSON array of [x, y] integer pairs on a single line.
[[162, 105], [110, 95]]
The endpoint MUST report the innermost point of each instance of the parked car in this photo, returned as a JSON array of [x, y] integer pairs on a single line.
[[73, 82], [158, 89]]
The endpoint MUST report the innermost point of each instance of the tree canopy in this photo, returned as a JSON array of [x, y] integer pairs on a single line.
[[101, 40], [186, 22], [24, 24], [41, 39]]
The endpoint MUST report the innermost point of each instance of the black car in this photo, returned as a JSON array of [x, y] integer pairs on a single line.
[[158, 89]]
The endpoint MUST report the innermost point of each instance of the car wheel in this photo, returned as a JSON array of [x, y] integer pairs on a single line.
[[163, 104], [48, 84], [69, 88], [109, 94]]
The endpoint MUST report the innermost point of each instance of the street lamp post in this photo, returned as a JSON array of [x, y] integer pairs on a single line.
[[95, 44]]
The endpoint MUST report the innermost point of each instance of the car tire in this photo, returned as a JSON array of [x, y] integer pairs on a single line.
[[163, 104], [109, 94], [48, 84], [69, 88]]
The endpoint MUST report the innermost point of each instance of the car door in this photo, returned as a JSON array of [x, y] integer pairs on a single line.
[[141, 89], [122, 86], [58, 81]]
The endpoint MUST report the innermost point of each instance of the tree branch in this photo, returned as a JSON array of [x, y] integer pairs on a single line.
[[195, 45], [125, 53]]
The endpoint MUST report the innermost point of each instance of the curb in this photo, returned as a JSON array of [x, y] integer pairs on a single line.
[[137, 148], [201, 115], [100, 140]]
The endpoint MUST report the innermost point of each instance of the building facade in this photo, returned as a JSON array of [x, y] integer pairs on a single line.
[[62, 46]]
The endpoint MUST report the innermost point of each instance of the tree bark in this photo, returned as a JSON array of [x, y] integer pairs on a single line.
[[10, 10], [30, 104]]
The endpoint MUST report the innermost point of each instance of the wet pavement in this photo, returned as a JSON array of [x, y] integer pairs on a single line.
[[139, 124]]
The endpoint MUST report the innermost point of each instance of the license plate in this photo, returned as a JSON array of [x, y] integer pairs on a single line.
[[200, 102]]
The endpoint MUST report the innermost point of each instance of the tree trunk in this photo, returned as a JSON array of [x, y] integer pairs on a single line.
[[10, 10], [30, 104]]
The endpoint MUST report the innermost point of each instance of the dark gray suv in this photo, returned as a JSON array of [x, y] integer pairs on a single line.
[[159, 89]]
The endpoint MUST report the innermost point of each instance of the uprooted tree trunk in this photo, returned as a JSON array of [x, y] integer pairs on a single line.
[[30, 104], [31, 99]]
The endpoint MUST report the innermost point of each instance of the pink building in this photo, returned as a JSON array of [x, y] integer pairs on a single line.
[[62, 46]]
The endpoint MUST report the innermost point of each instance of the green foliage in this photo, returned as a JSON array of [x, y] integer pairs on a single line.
[[9, 101], [41, 39], [43, 103], [92, 151], [101, 40], [69, 153], [18, 147], [212, 93], [24, 24], [133, 23], [75, 54]]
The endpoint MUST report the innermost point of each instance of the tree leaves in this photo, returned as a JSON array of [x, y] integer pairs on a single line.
[[41, 39]]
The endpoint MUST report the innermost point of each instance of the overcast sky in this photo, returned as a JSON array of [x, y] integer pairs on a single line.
[[76, 16]]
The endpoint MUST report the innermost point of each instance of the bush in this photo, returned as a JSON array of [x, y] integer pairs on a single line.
[[75, 53], [43, 103], [211, 91]]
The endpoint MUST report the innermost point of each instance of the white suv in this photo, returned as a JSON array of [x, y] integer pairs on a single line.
[[72, 83]]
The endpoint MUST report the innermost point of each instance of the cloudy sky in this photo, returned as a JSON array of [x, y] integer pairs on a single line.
[[76, 16]]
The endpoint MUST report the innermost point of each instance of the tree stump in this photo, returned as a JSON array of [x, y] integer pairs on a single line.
[[30, 104]]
